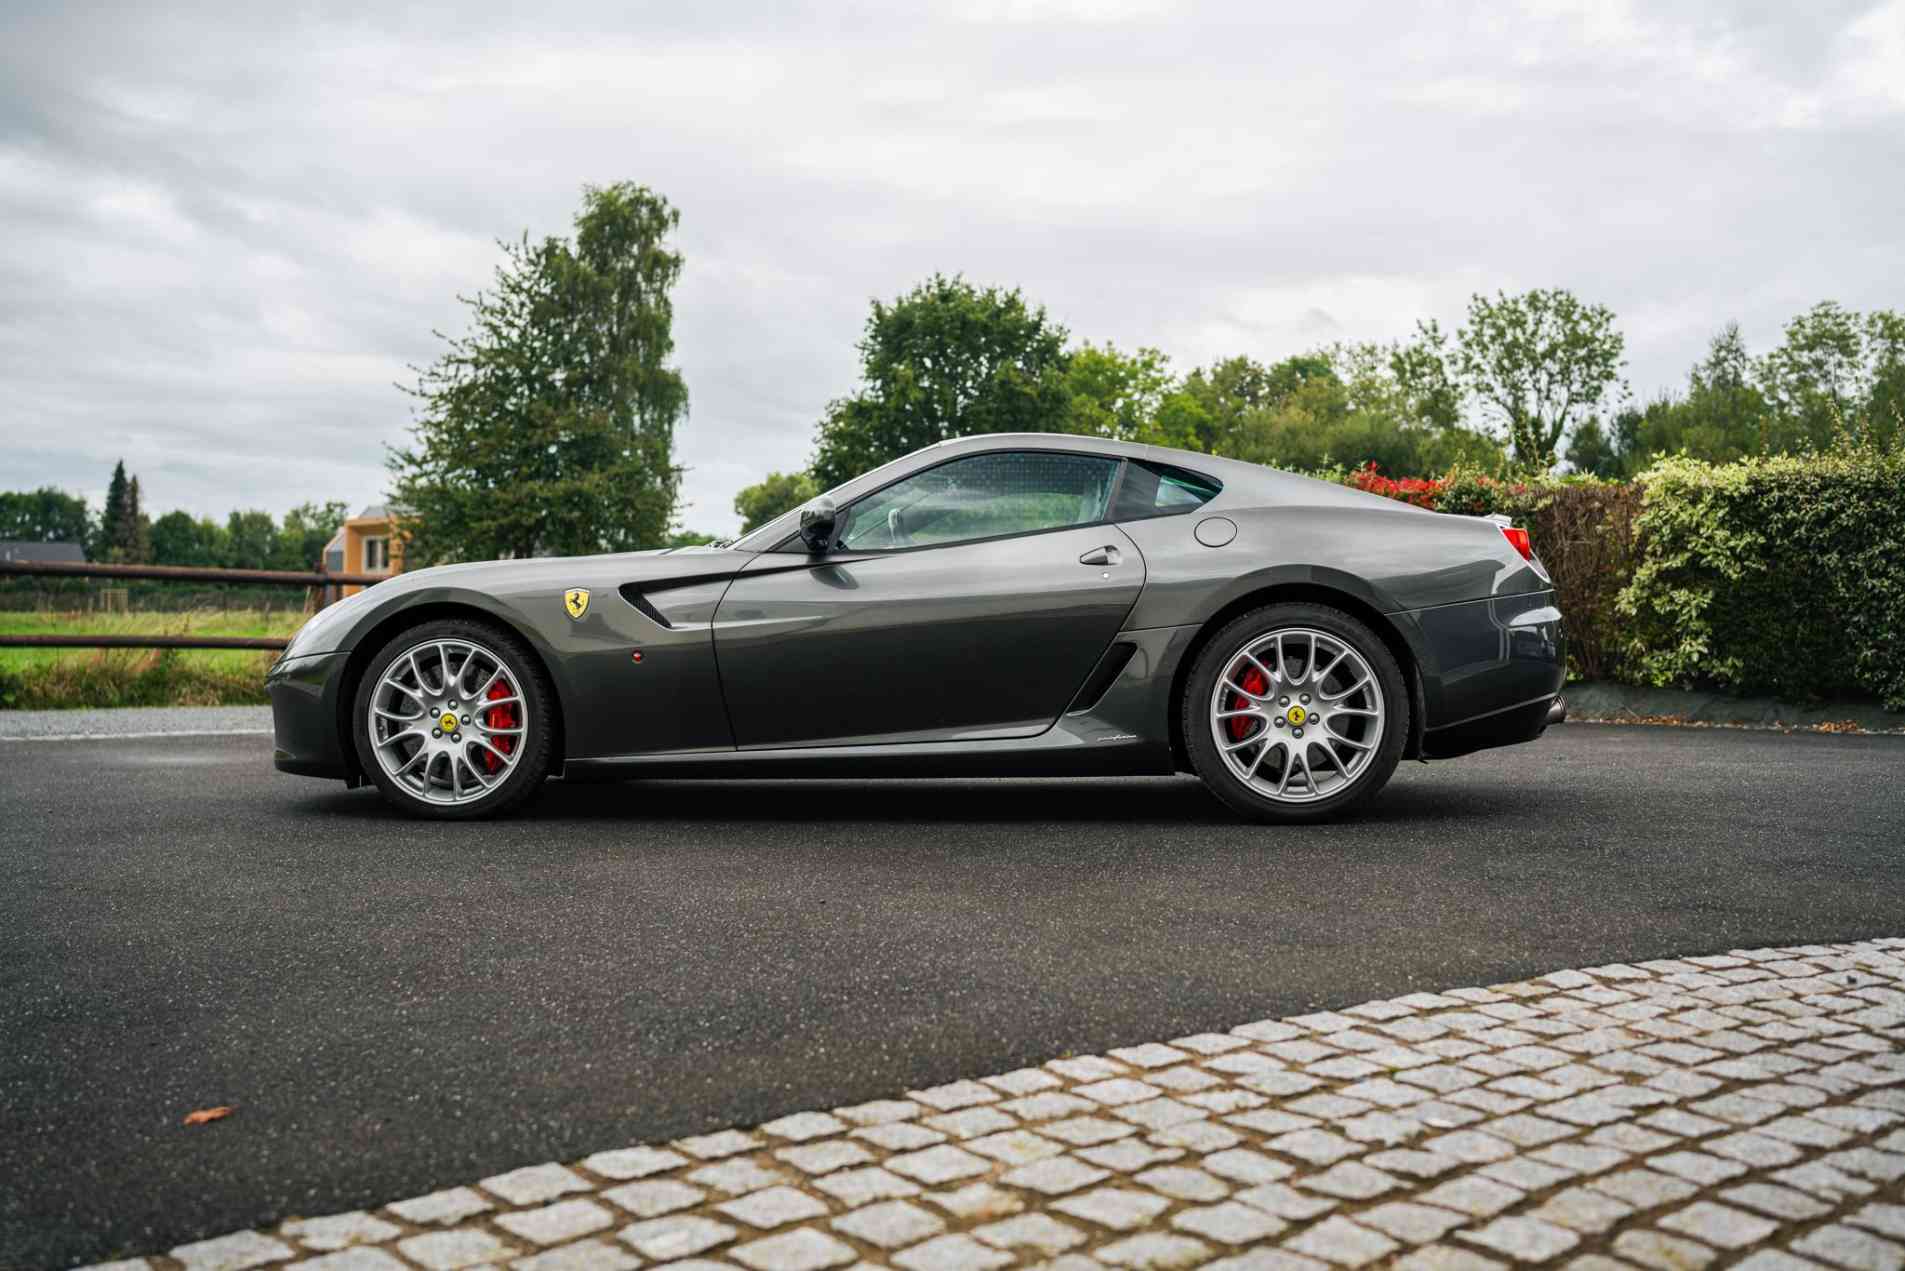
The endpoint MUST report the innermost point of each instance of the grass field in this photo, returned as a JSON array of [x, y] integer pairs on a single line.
[[52, 679]]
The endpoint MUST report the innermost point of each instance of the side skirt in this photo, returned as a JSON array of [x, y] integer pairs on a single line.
[[1051, 754]]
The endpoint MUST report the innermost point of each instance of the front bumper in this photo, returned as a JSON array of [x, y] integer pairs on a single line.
[[307, 716]]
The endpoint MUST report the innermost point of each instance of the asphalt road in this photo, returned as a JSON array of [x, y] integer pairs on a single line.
[[395, 1007]]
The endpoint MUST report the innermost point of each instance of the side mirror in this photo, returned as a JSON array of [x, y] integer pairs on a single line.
[[817, 522]]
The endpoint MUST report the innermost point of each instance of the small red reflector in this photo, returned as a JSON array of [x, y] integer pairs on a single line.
[[635, 656], [1518, 538]]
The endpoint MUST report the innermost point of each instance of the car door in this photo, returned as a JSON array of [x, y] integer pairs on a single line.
[[965, 601]]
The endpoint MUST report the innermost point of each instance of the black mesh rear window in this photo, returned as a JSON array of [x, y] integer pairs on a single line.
[[1156, 489]]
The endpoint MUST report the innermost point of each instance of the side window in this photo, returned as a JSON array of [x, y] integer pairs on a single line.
[[984, 496], [1156, 489]]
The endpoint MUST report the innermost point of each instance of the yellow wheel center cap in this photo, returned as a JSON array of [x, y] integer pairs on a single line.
[[448, 722], [1298, 715]]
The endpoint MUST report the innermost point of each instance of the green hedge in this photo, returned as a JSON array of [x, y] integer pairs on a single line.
[[1782, 576]]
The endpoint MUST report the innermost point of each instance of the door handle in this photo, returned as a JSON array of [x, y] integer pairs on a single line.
[[1106, 555]]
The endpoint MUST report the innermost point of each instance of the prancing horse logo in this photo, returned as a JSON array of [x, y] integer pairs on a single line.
[[576, 601]]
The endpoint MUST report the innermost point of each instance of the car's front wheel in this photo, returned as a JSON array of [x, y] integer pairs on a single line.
[[452, 720], [1295, 712]]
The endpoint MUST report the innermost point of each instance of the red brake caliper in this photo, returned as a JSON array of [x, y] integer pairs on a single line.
[[504, 717], [1251, 681]]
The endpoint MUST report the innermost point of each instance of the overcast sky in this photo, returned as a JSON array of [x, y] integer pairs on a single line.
[[224, 232]]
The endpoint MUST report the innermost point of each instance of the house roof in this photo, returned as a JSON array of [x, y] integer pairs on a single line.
[[25, 549]]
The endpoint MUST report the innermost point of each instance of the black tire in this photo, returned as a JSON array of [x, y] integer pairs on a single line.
[[1247, 798], [532, 749]]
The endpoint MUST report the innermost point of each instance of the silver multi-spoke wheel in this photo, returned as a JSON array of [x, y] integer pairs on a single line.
[[1297, 714], [447, 720]]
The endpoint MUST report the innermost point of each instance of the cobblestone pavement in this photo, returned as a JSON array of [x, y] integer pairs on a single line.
[[1746, 1108]]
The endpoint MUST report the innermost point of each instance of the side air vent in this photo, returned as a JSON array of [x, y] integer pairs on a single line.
[[634, 596], [679, 603], [1102, 677]]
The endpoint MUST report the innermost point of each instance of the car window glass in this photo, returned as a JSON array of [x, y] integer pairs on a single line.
[[984, 496], [1155, 489]]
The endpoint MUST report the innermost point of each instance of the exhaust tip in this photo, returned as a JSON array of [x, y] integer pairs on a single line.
[[1557, 709]]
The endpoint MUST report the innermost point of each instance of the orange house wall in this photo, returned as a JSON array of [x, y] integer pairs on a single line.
[[354, 536]]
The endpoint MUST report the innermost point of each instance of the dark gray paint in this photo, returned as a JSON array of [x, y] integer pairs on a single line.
[[975, 640], [764, 657]]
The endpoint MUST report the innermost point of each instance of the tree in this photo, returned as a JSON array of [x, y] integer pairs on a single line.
[[774, 494], [549, 427], [1424, 380], [175, 539], [1722, 418], [1595, 450], [45, 515], [1816, 379], [690, 538], [138, 528], [1835, 373], [179, 539], [1539, 362], [116, 532], [1720, 389], [1131, 397], [1403, 411], [304, 532], [249, 538], [1228, 394], [946, 359], [1885, 353], [124, 534], [1345, 405], [1297, 408], [1114, 394]]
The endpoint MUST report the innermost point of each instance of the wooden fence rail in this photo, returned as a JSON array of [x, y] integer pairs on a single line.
[[166, 573], [140, 642], [184, 574]]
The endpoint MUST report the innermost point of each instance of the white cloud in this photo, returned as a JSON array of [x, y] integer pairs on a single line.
[[227, 231], [1874, 71]]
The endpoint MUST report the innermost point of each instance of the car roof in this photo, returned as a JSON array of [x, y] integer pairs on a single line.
[[1231, 473], [1244, 483], [1080, 443]]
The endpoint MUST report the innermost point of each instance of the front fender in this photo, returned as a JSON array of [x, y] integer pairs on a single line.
[[611, 703]]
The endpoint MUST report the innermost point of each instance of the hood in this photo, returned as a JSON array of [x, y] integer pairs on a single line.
[[505, 585], [503, 576]]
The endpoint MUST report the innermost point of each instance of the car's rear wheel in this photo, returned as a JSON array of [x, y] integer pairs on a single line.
[[1295, 712], [452, 720]]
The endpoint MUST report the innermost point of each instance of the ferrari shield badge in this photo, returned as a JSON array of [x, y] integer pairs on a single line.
[[576, 601]]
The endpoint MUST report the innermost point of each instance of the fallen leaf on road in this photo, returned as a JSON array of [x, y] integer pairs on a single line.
[[203, 1115]]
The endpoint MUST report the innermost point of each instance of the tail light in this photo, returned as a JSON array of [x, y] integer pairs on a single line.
[[1518, 539]]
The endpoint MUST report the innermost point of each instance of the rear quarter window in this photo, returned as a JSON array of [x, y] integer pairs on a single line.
[[1156, 489]]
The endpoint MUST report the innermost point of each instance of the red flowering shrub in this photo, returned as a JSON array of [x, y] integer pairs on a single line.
[[1421, 491]]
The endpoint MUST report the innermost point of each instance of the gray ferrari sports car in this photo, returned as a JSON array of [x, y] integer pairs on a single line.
[[998, 605]]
